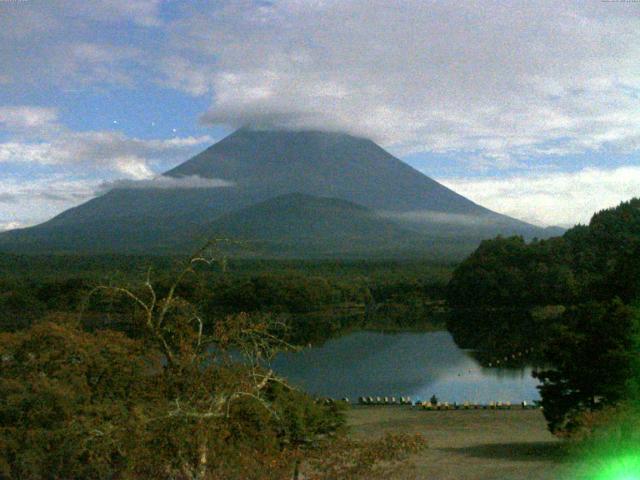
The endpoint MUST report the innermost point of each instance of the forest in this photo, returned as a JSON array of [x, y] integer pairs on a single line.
[[574, 301], [317, 300], [117, 348], [165, 373]]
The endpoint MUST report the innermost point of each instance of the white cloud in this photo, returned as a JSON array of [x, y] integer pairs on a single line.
[[37, 194], [25, 202], [163, 182], [53, 42], [145, 13], [11, 225], [176, 142], [56, 188], [26, 18], [21, 152], [86, 63], [22, 117], [501, 80], [430, 217], [181, 74], [47, 158], [552, 198], [134, 167], [34, 200], [499, 83], [102, 149]]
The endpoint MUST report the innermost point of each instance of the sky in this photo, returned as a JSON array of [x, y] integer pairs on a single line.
[[530, 108]]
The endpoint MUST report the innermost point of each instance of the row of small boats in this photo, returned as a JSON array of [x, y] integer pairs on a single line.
[[474, 406], [436, 405], [498, 405]]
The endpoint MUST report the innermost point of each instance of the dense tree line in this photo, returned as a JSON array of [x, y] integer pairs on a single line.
[[596, 261], [176, 401], [318, 300], [501, 271], [573, 299]]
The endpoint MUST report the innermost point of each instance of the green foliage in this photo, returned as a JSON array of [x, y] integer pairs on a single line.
[[598, 261], [82, 405], [179, 401], [500, 273], [595, 355], [318, 300], [290, 293], [583, 282], [304, 420], [64, 396]]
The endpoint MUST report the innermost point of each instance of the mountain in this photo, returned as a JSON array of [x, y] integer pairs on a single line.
[[337, 165], [317, 226], [259, 165], [554, 231], [299, 217]]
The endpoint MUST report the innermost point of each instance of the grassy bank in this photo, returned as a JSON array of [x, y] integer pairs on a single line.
[[470, 445]]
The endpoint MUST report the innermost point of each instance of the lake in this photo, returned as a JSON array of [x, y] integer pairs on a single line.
[[402, 364]]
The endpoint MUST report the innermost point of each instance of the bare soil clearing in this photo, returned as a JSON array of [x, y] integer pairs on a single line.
[[470, 445]]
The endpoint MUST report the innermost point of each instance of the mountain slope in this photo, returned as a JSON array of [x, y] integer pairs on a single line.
[[303, 225], [258, 166], [335, 165], [313, 225]]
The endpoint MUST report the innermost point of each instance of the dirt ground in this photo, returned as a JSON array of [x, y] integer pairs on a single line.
[[470, 444]]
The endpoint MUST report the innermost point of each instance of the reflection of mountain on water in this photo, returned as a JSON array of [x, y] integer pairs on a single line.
[[415, 364]]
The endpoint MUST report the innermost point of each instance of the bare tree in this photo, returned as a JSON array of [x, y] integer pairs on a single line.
[[206, 370]]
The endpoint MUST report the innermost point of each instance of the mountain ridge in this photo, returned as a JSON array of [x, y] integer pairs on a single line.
[[259, 165], [317, 162]]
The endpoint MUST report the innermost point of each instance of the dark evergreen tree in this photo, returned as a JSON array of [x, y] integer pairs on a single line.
[[595, 356]]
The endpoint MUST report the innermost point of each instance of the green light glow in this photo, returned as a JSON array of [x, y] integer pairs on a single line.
[[626, 467]]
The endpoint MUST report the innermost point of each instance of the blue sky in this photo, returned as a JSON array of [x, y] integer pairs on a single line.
[[531, 109]]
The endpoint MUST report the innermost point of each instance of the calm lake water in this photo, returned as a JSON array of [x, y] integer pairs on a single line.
[[414, 364]]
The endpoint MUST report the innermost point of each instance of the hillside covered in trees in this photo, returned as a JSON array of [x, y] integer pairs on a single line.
[[571, 300], [185, 392], [317, 299], [599, 260]]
